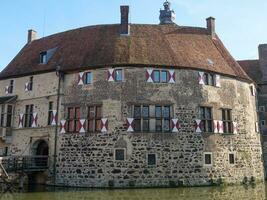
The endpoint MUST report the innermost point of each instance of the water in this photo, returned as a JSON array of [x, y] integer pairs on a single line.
[[256, 192]]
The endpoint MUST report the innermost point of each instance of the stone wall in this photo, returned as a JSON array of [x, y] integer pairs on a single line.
[[88, 159], [44, 91]]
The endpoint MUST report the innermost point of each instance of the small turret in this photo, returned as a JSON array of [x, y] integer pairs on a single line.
[[167, 16]]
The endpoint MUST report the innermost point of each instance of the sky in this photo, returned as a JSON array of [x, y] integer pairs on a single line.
[[241, 24]]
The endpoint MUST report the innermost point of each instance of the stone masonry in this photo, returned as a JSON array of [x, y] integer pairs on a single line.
[[88, 159]]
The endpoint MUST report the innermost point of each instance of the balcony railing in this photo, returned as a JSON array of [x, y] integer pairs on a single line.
[[25, 163]]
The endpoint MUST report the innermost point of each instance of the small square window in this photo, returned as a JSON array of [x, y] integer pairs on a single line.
[[88, 78], [263, 122], [120, 154], [151, 159], [232, 158], [118, 75], [207, 159], [156, 76]]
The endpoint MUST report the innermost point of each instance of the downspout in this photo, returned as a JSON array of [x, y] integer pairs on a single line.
[[58, 73]]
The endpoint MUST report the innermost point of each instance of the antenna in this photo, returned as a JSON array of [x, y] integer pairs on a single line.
[[44, 22], [130, 4]]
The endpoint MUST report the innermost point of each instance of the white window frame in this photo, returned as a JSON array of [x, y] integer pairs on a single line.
[[207, 153], [156, 156], [122, 75], [124, 149], [43, 57], [234, 158], [85, 79]]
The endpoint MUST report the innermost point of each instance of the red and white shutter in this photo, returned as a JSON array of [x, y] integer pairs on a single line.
[[63, 126], [7, 89], [34, 120], [220, 126], [21, 116], [82, 126], [215, 126], [175, 126], [130, 124], [235, 128], [198, 126], [104, 125], [26, 88], [149, 76], [54, 118], [111, 75], [81, 78], [217, 80], [201, 78], [171, 76]]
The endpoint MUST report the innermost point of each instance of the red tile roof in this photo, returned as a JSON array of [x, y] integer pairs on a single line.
[[147, 45]]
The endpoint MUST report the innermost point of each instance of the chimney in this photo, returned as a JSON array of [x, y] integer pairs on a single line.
[[263, 61], [125, 27], [211, 26], [32, 35]]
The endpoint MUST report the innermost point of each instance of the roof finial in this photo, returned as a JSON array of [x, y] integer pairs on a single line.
[[167, 5], [167, 16]]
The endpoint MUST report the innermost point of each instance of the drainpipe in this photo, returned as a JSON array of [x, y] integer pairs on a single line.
[[58, 73]]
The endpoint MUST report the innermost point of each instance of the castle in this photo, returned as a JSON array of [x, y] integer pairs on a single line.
[[132, 105]]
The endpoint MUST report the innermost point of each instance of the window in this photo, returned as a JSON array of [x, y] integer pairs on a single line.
[[88, 78], [43, 57], [206, 119], [6, 115], [4, 151], [262, 108], [151, 159], [30, 85], [118, 75], [227, 120], [94, 118], [263, 122], [207, 159], [9, 116], [73, 119], [209, 79], [50, 112], [28, 117], [156, 74], [150, 118], [164, 77], [2, 115], [137, 118], [232, 158], [160, 76], [11, 86], [120, 154]]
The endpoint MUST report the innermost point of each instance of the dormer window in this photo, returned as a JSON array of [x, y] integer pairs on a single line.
[[46, 55], [43, 57]]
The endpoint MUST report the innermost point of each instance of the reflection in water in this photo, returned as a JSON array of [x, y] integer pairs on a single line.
[[199, 193]]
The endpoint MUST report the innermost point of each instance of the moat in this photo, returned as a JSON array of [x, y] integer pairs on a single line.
[[200, 193]]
